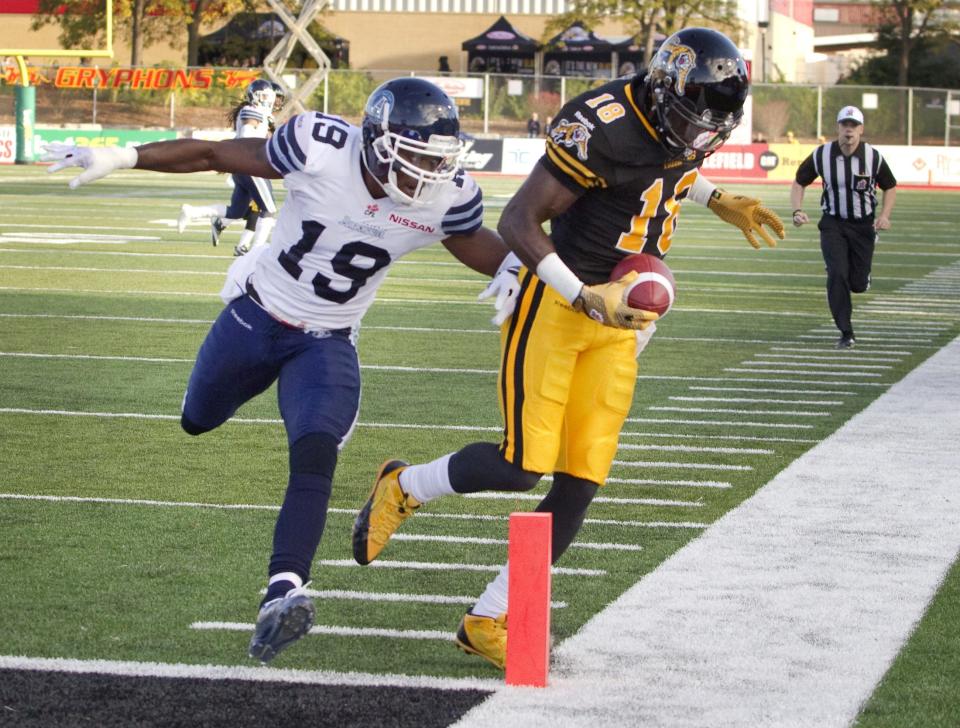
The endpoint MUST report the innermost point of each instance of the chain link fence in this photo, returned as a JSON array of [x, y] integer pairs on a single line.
[[501, 104]]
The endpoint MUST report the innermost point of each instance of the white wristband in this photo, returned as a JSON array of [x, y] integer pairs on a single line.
[[127, 157], [555, 273], [701, 190]]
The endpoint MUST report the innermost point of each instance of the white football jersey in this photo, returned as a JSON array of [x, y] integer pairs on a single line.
[[333, 242], [256, 114]]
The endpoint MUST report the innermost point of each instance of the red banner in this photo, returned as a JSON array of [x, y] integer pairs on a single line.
[[133, 78]]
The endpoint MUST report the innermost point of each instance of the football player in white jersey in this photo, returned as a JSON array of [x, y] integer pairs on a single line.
[[252, 118], [358, 199]]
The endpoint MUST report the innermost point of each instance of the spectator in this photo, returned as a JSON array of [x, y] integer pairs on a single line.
[[533, 125], [444, 67]]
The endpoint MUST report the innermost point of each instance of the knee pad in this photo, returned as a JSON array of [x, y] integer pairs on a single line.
[[191, 427], [314, 454]]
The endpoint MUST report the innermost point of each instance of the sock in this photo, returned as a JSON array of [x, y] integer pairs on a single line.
[[428, 481], [198, 211], [493, 601], [264, 228], [245, 237], [280, 584]]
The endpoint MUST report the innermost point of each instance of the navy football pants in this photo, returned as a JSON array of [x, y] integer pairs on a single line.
[[318, 392]]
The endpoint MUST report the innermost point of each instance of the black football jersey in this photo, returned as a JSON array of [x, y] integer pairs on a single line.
[[604, 148]]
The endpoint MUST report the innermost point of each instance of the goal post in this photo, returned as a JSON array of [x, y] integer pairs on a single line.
[[25, 104]]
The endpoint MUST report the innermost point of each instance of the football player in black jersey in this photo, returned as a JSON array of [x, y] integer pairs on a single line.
[[619, 161]]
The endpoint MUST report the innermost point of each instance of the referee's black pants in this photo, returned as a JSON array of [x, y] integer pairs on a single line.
[[847, 247]]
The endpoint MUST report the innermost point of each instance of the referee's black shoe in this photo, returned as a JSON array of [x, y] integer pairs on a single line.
[[846, 341]]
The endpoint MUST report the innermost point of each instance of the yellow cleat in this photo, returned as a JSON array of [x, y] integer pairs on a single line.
[[484, 636], [386, 508]]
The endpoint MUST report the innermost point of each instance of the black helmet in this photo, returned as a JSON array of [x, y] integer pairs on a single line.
[[415, 117], [696, 85]]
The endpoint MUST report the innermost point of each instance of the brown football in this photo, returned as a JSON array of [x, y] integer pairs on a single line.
[[654, 289]]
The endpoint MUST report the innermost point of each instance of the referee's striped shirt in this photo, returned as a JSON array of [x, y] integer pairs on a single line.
[[849, 183]]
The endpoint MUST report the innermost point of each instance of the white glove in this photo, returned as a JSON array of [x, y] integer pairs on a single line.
[[506, 286], [96, 162]]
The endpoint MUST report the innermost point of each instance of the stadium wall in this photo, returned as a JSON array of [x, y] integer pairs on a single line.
[[913, 165]]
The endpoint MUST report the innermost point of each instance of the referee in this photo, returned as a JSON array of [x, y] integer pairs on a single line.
[[851, 171]]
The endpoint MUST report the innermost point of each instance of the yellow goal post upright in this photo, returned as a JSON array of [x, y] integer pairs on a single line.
[[25, 95]]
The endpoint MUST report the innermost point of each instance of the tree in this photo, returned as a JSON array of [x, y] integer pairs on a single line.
[[645, 19], [909, 22], [934, 62], [142, 22]]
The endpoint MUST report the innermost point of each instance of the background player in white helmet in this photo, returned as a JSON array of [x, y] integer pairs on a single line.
[[358, 199], [251, 118]]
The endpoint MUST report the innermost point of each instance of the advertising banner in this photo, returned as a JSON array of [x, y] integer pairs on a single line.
[[923, 165], [520, 155], [80, 137], [736, 160], [483, 155], [8, 144]]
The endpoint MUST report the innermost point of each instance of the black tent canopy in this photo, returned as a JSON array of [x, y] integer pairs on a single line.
[[501, 49], [578, 51], [249, 37]]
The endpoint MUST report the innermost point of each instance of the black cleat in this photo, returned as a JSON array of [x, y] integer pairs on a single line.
[[281, 623]]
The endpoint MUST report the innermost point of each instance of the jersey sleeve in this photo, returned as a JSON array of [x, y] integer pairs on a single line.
[[578, 153], [465, 216], [806, 172], [885, 178], [286, 149]]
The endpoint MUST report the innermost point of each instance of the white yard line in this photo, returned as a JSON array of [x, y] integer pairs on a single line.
[[790, 608]]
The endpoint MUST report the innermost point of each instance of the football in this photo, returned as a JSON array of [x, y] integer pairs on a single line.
[[654, 290]]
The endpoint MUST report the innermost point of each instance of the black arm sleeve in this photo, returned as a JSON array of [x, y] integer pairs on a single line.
[[806, 172]]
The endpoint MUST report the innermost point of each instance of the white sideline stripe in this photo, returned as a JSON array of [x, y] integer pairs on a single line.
[[790, 608], [403, 634], [362, 596], [687, 448], [99, 357], [730, 411], [679, 466], [756, 400], [435, 566], [259, 674], [725, 423], [503, 542], [351, 512]]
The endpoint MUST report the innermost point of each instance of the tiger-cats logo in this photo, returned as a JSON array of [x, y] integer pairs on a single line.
[[684, 59], [571, 134]]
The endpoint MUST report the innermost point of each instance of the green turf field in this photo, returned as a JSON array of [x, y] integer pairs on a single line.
[[151, 545]]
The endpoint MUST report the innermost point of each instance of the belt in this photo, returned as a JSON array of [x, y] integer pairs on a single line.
[[252, 292]]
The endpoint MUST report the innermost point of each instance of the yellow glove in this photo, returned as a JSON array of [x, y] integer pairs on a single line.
[[606, 303], [748, 215]]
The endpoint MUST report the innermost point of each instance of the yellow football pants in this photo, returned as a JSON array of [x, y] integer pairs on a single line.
[[566, 385]]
